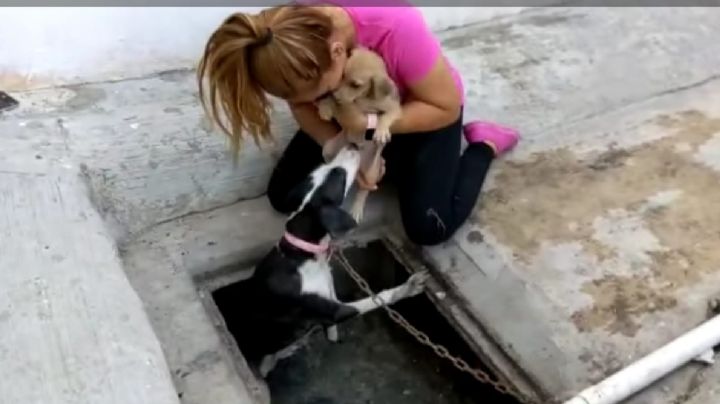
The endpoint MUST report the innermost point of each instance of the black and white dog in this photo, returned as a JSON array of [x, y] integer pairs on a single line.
[[292, 291]]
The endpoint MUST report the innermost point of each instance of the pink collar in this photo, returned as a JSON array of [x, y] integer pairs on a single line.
[[306, 245]]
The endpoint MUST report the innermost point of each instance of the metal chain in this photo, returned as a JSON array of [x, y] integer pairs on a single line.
[[440, 350]]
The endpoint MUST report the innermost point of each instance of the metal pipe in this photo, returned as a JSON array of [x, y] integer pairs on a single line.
[[652, 367]]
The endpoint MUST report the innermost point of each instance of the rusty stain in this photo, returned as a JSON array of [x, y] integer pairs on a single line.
[[14, 81], [555, 198], [602, 362], [611, 158], [618, 299]]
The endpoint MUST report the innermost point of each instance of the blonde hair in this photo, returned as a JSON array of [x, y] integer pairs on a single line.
[[275, 52]]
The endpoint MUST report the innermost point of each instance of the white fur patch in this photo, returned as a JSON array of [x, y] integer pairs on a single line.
[[316, 278], [348, 159]]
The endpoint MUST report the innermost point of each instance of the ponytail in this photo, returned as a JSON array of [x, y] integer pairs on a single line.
[[250, 56]]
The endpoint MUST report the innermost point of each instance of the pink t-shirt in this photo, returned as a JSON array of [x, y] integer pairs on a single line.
[[397, 31]]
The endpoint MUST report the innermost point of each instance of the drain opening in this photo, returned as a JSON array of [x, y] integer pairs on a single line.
[[376, 361], [7, 102]]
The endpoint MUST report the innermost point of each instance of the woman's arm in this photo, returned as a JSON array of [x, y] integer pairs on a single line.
[[433, 102], [310, 122], [432, 97]]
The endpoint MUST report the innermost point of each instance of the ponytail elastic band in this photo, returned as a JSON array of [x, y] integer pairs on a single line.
[[265, 39]]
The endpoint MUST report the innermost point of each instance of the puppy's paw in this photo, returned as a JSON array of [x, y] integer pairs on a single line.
[[267, 365], [325, 110], [357, 213], [325, 115], [332, 333], [382, 135], [416, 283]]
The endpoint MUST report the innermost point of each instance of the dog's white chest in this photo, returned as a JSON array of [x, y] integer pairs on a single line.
[[316, 277]]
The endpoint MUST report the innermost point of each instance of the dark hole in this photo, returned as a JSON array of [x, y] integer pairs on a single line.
[[376, 361], [7, 102]]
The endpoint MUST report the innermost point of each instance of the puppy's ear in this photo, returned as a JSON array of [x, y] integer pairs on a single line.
[[380, 87], [336, 220]]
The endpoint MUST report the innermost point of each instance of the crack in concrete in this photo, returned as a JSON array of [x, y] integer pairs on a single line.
[[629, 104]]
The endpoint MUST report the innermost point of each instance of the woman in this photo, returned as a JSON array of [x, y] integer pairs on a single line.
[[298, 53]]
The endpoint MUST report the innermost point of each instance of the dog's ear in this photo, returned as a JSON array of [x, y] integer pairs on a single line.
[[380, 87], [336, 220]]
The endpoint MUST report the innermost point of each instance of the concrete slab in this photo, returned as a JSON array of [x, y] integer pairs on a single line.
[[545, 69], [594, 243], [72, 330], [201, 364], [172, 264], [146, 150]]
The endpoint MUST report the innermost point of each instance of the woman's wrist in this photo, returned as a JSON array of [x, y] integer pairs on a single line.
[[418, 116]]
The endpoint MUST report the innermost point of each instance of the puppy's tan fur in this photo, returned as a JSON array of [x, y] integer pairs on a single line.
[[366, 88]]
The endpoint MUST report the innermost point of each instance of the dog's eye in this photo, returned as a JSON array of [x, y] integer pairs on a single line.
[[356, 84]]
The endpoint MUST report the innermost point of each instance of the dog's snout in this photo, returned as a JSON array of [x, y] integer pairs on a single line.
[[348, 157], [351, 150], [354, 151]]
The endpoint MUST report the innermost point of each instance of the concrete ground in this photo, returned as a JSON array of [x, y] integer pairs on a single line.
[[591, 245], [595, 241]]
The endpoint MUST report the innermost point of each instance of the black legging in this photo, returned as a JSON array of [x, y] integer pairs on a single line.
[[437, 186]]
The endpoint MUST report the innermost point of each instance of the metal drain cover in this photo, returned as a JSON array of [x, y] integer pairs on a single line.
[[7, 102]]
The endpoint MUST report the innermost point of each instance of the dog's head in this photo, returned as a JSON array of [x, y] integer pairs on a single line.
[[364, 76], [320, 198]]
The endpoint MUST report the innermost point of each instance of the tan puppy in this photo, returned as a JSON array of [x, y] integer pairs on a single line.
[[366, 88]]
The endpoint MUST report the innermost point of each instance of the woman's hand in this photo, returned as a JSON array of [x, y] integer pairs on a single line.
[[364, 178]]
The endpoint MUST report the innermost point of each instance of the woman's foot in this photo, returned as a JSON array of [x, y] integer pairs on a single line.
[[501, 139]]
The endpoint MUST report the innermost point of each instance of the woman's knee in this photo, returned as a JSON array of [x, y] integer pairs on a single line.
[[278, 203], [301, 156], [278, 194], [428, 229]]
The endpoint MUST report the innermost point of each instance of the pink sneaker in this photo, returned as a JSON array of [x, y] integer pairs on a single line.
[[500, 138]]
